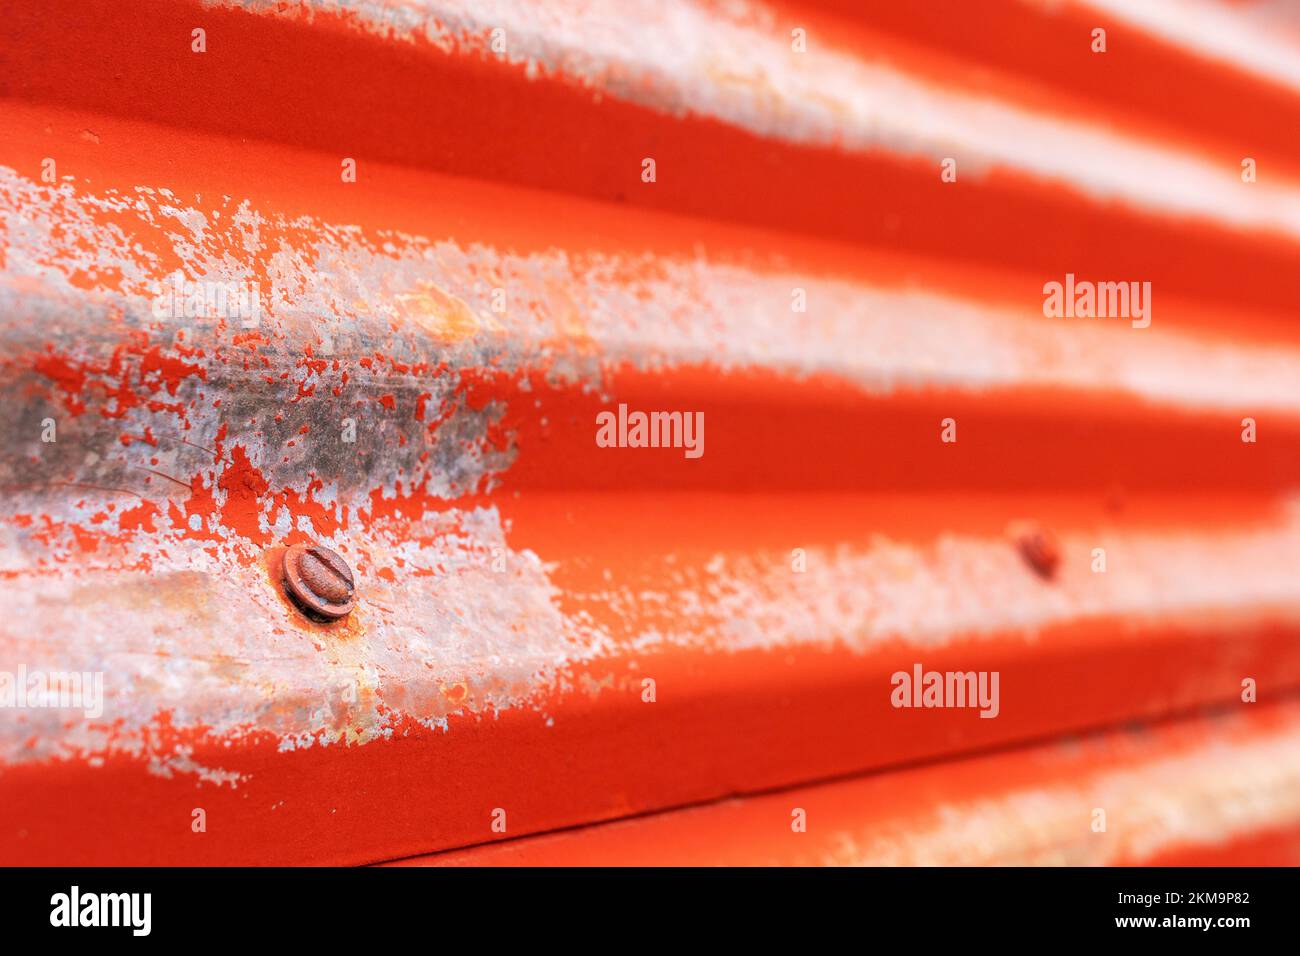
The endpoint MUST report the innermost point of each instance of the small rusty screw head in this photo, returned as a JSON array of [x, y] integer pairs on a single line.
[[1038, 547], [319, 581]]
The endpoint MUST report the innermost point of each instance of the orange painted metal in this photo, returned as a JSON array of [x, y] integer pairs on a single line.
[[1207, 791], [553, 633]]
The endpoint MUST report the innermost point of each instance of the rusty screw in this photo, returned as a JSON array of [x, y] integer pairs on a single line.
[[1038, 547], [319, 581]]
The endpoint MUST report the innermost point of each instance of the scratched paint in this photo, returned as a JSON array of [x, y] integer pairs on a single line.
[[1214, 794], [1220, 788], [333, 292], [1258, 37], [510, 604], [189, 448], [463, 639], [734, 63], [864, 597]]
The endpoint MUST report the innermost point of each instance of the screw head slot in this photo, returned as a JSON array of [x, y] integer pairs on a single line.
[[319, 581]]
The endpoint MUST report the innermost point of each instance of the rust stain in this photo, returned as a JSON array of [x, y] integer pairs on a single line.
[[443, 315]]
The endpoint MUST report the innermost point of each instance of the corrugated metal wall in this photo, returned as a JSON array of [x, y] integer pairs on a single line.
[[369, 274]]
